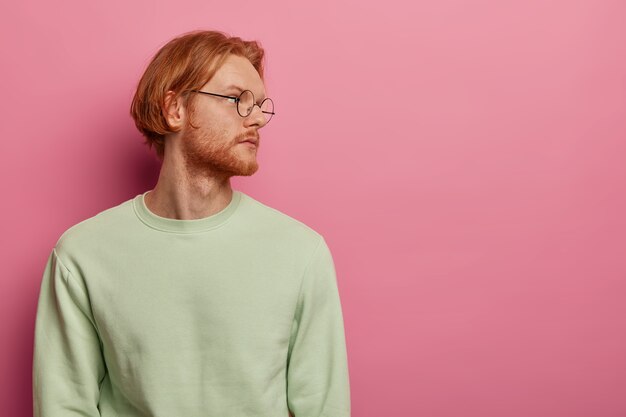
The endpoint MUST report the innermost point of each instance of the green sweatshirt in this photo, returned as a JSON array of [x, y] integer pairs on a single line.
[[233, 315]]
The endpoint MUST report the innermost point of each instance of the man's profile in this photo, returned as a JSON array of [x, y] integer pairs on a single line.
[[193, 299]]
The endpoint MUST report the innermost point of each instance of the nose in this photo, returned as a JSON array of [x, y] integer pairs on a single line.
[[256, 117]]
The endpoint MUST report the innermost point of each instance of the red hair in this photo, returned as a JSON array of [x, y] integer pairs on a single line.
[[185, 63]]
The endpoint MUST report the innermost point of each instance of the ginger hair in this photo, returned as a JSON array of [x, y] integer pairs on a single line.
[[185, 63]]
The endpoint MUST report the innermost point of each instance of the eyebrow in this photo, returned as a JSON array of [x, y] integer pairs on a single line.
[[236, 87]]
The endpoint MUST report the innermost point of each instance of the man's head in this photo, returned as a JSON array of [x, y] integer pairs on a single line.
[[208, 128]]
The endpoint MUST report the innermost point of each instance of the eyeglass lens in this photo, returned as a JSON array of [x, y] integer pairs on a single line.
[[246, 104]]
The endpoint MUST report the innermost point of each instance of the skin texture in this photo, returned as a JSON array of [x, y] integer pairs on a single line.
[[194, 181]]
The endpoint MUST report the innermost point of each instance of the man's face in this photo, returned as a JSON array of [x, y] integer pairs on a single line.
[[217, 147]]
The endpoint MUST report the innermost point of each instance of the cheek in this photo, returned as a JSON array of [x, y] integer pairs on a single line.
[[220, 127], [221, 135], [229, 129]]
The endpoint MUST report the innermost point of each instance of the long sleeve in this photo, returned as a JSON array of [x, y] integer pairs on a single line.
[[317, 372], [68, 366]]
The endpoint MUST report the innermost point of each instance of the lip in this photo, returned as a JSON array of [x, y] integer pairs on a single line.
[[251, 141]]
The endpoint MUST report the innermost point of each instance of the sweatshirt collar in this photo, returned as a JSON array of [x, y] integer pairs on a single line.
[[170, 225]]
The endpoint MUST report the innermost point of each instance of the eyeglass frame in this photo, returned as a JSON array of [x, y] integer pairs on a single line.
[[238, 99]]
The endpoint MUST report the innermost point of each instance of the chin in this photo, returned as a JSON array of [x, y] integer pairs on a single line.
[[244, 171], [249, 172]]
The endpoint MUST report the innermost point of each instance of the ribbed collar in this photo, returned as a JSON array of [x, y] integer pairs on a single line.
[[166, 224]]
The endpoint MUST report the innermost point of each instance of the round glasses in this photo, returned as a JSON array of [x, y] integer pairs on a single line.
[[245, 103]]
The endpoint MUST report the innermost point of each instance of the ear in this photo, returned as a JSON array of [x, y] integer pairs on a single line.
[[174, 111]]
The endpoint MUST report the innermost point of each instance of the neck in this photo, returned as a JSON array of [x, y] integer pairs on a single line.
[[185, 195]]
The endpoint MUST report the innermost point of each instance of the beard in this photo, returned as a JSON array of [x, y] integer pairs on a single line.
[[210, 152]]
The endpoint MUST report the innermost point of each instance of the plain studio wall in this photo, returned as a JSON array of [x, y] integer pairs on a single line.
[[465, 162]]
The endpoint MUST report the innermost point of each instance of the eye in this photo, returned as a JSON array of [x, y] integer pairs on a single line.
[[232, 99]]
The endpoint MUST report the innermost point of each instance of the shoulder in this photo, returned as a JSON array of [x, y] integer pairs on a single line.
[[91, 230], [276, 222]]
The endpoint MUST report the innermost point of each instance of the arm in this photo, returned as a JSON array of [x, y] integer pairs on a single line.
[[68, 366], [317, 372]]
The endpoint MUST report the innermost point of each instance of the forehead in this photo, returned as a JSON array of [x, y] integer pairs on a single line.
[[238, 71]]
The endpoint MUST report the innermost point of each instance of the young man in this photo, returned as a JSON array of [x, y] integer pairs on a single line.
[[193, 299]]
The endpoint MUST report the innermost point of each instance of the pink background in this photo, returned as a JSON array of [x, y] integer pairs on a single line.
[[464, 160]]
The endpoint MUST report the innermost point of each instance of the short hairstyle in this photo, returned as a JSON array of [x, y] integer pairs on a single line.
[[185, 63]]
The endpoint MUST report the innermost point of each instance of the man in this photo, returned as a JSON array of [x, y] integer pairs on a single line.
[[193, 299]]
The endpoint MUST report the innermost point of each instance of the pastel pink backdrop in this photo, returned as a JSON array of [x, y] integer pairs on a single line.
[[465, 161]]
